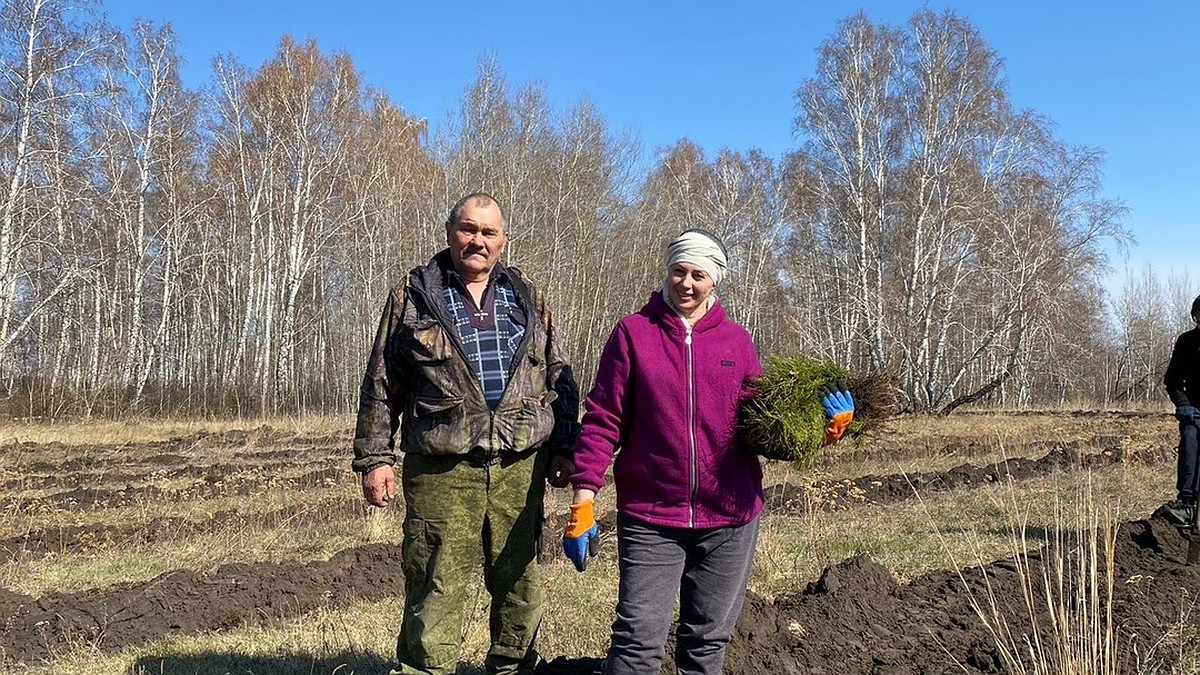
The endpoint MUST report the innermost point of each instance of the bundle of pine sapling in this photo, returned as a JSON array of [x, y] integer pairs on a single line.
[[785, 420]]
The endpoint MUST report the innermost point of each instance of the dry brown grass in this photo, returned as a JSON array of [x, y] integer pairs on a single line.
[[113, 432], [1068, 594], [1015, 427]]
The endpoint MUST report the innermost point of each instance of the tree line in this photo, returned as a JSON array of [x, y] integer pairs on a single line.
[[226, 250]]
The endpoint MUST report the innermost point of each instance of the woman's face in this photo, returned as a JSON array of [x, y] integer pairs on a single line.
[[689, 286]]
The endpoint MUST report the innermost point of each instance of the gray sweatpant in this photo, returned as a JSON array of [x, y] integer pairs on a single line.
[[708, 568]]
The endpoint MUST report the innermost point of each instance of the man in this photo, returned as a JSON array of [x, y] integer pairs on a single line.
[[467, 354], [1183, 386]]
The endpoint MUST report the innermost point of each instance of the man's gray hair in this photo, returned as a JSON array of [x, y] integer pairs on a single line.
[[478, 199]]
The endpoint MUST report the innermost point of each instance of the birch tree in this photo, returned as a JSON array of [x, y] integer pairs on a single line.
[[945, 229], [45, 46], [850, 115], [284, 139], [145, 141]]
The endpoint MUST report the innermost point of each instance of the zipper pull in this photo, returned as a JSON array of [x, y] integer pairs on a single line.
[[687, 330]]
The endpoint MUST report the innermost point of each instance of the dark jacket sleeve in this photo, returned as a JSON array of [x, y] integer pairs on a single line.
[[1178, 368], [380, 400], [561, 380]]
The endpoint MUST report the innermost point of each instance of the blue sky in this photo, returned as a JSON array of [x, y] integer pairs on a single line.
[[1120, 76]]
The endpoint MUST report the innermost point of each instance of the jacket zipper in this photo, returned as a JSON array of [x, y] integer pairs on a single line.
[[693, 472], [440, 313]]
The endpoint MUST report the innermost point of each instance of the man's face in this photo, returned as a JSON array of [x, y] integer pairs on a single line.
[[476, 240]]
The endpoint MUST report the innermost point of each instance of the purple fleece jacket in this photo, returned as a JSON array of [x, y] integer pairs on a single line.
[[679, 464]]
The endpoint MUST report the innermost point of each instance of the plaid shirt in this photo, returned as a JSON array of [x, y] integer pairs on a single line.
[[491, 335]]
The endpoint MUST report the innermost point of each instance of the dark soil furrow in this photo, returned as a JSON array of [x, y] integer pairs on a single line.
[[856, 619], [886, 450], [1095, 415], [96, 464], [211, 485], [833, 495], [185, 602], [76, 539], [185, 445], [47, 477]]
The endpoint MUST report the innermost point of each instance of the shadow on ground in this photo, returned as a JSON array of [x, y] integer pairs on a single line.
[[220, 663]]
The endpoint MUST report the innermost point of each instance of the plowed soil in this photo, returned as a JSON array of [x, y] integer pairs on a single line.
[[857, 619], [854, 619]]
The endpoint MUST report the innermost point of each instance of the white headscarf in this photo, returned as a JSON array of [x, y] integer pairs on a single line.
[[698, 248], [702, 249]]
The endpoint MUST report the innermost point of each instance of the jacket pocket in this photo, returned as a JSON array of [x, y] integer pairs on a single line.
[[429, 343], [437, 426], [531, 424], [424, 407]]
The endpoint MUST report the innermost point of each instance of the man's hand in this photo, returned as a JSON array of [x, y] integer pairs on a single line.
[[559, 473], [839, 410], [379, 485], [581, 536], [1185, 413]]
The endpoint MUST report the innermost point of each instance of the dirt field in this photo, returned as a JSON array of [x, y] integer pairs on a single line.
[[980, 543]]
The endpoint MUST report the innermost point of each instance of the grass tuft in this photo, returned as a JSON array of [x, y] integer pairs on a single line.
[[1062, 622]]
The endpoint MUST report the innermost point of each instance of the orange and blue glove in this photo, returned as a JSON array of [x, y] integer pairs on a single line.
[[839, 410], [581, 536]]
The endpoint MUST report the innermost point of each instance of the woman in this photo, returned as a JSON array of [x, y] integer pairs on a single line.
[[670, 381]]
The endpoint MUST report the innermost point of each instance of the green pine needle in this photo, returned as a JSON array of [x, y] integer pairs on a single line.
[[786, 421]]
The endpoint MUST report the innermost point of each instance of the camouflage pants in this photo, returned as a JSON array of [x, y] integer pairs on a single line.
[[453, 504]]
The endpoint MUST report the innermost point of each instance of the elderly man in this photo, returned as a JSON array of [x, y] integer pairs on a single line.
[[467, 355]]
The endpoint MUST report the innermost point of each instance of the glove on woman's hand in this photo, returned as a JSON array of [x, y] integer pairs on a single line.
[[839, 410], [581, 536]]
